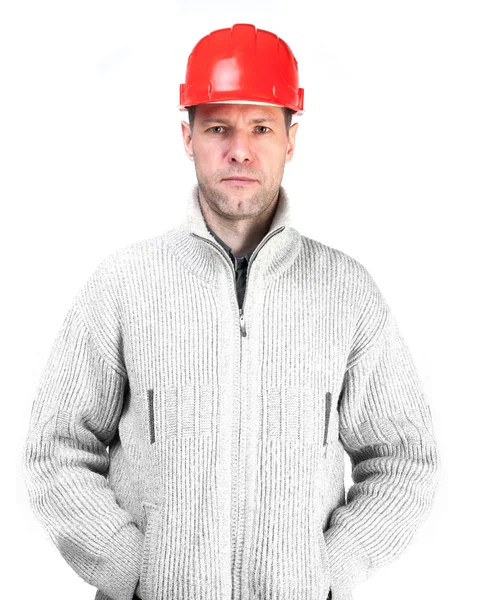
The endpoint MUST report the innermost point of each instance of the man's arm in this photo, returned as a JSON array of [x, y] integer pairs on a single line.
[[65, 460], [386, 428]]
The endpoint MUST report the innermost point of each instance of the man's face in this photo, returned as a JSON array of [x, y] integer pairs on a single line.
[[241, 140]]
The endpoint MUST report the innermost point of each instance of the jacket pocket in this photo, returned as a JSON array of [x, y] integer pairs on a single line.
[[288, 557], [181, 551], [325, 562], [151, 544]]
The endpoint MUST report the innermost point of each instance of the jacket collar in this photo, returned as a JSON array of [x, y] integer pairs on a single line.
[[199, 250]]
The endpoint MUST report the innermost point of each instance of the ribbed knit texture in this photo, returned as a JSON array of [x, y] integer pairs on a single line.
[[174, 442]]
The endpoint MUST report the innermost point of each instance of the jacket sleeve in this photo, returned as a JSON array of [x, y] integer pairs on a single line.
[[386, 428], [74, 415]]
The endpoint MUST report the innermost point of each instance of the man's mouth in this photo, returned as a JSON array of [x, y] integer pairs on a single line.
[[240, 180]]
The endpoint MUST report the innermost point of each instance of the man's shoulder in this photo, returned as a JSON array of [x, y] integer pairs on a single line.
[[123, 263], [127, 255], [333, 259], [353, 286], [141, 247]]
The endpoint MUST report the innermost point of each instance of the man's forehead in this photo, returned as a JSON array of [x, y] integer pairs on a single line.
[[226, 111]]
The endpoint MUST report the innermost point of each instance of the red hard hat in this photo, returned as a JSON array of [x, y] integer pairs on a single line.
[[242, 64]]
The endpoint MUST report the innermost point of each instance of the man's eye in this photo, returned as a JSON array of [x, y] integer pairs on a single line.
[[220, 126]]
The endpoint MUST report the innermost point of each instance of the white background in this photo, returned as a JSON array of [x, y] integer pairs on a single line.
[[393, 165]]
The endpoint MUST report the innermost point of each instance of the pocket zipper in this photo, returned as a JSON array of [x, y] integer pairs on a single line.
[[328, 402], [150, 405]]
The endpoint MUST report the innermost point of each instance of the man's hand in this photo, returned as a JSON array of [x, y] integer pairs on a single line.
[[137, 590]]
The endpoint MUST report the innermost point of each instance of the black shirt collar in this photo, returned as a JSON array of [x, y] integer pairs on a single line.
[[243, 259]]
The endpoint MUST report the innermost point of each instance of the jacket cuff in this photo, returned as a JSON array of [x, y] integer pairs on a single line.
[[348, 561], [118, 571]]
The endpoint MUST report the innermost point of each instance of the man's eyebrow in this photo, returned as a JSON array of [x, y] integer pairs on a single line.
[[225, 121]]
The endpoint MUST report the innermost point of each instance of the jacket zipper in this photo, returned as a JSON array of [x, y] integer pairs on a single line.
[[242, 319], [228, 260], [243, 332]]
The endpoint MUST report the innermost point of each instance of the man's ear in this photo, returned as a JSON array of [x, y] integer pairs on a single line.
[[187, 139], [291, 142]]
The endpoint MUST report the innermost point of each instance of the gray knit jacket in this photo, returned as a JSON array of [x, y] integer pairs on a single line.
[[179, 440]]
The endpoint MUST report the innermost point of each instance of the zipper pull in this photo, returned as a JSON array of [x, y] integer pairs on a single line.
[[242, 323]]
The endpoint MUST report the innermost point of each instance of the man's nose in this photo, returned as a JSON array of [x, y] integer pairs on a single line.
[[240, 148]]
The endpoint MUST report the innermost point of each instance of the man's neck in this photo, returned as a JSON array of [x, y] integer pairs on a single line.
[[240, 235]]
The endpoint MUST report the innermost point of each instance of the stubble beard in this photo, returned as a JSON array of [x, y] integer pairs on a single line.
[[251, 205]]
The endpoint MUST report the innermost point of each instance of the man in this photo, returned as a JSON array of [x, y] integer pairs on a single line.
[[226, 366]]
